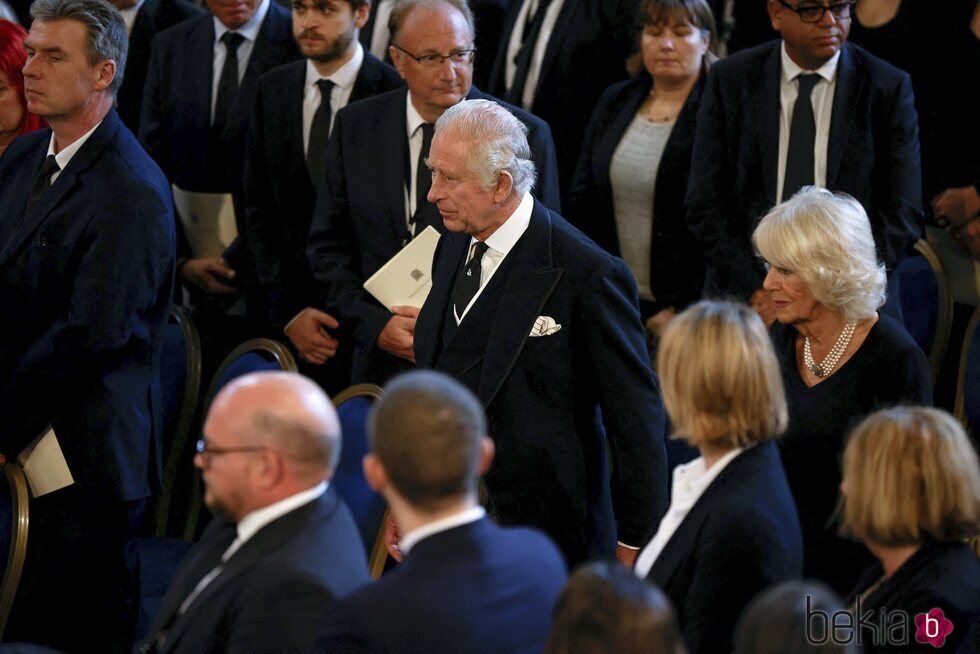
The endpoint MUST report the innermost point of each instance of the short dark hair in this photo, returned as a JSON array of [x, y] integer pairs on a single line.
[[107, 38], [607, 608], [403, 7], [428, 432]]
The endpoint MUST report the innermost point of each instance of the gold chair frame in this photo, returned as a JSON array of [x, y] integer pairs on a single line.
[[20, 496], [944, 308]]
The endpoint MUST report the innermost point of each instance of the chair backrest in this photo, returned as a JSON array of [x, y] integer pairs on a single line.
[[966, 407], [180, 381], [256, 355], [367, 506], [927, 304], [16, 497]]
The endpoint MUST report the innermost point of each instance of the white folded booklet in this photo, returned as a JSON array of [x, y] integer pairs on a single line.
[[407, 277], [208, 220], [44, 465]]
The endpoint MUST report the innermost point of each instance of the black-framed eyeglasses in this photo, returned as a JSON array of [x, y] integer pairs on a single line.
[[457, 58], [207, 451], [814, 13]]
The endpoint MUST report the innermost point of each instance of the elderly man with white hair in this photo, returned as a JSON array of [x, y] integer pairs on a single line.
[[282, 545], [544, 327]]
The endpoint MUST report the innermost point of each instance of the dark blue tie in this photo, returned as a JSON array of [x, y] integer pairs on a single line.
[[802, 136]]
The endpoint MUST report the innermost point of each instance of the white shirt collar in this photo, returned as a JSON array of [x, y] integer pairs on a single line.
[[791, 69], [249, 30], [691, 479], [129, 15], [414, 118], [344, 77], [70, 150], [506, 236], [251, 523], [412, 538]]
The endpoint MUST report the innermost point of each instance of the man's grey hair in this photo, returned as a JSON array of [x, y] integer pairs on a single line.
[[104, 24], [497, 139], [401, 9]]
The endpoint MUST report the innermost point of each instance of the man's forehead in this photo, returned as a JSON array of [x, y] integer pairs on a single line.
[[59, 34]]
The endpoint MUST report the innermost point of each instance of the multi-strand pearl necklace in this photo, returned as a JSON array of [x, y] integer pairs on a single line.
[[826, 366]]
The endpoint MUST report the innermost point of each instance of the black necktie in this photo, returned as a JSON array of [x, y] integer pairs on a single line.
[[802, 134], [468, 281], [532, 29], [319, 133], [425, 212], [228, 82], [42, 182]]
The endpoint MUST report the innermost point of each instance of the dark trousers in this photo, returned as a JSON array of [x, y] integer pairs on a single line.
[[80, 589]]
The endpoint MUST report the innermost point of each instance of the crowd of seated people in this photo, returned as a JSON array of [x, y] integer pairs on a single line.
[[742, 182]]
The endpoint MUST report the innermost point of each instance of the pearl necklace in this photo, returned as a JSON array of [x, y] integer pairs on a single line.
[[826, 366]]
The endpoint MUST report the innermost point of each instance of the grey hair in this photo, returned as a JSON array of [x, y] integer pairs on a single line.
[[498, 142], [401, 9], [107, 38], [826, 239]]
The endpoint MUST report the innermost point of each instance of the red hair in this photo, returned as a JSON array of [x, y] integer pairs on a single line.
[[12, 59]]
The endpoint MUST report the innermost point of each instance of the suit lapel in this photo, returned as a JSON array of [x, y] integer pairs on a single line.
[[391, 169], [293, 115], [449, 255], [563, 26], [769, 109], [200, 48], [848, 89]]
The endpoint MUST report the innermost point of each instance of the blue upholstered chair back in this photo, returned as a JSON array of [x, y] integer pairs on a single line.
[[927, 304], [367, 506], [967, 407]]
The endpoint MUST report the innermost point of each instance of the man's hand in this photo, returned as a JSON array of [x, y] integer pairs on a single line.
[[308, 334], [391, 539], [762, 304], [398, 336], [626, 556], [955, 207], [209, 275], [657, 323], [968, 236]]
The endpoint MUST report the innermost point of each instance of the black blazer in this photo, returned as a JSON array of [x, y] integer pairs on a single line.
[[556, 403], [676, 264], [273, 592], [359, 222], [477, 588], [279, 195], [940, 575], [86, 280], [741, 536], [872, 154], [153, 17]]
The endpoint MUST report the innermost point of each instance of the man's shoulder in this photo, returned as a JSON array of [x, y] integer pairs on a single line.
[[125, 155], [572, 248], [283, 79], [878, 71], [526, 117], [23, 146], [368, 111], [174, 36]]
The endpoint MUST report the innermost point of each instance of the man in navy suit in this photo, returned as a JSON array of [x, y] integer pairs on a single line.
[[374, 198], [544, 327], [465, 584], [283, 546], [200, 92], [86, 277], [858, 134], [284, 163]]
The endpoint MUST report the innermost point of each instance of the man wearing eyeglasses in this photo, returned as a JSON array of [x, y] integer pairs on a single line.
[[373, 199], [282, 545], [808, 109]]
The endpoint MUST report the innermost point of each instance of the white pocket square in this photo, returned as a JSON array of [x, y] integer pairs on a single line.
[[544, 326]]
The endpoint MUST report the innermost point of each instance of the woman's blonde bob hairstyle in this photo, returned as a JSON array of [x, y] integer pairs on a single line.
[[910, 474], [720, 379], [825, 238]]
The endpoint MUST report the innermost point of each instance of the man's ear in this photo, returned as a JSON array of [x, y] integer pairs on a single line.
[[374, 472], [505, 184], [488, 451], [397, 60], [106, 73], [775, 14], [361, 15]]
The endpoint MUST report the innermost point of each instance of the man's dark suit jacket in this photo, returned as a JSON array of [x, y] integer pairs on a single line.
[[556, 403], [85, 284], [474, 588], [359, 222], [676, 265], [586, 53], [279, 195], [153, 17], [273, 593], [872, 154], [741, 536], [175, 126]]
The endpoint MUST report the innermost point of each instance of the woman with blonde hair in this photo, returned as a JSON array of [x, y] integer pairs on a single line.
[[840, 358], [911, 494], [731, 529]]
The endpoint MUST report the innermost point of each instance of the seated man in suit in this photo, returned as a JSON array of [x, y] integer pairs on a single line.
[[86, 278], [282, 545], [806, 109], [287, 142], [374, 198], [465, 585], [544, 327]]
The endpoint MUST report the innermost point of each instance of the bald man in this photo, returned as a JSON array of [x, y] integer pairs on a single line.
[[282, 545]]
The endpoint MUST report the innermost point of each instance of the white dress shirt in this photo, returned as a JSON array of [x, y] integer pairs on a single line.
[[822, 99], [129, 16], [413, 124], [690, 482], [412, 538], [250, 31], [499, 245], [343, 84], [525, 16], [67, 152], [379, 35]]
